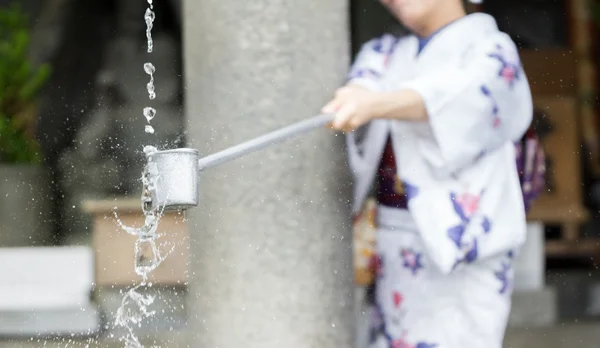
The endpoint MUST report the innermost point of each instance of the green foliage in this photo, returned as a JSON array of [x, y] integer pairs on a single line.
[[20, 82]]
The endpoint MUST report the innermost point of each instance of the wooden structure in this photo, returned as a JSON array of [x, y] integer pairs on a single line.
[[113, 247], [562, 81]]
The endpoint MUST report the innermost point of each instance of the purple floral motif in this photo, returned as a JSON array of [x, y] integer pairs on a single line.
[[465, 206], [486, 224], [510, 71], [502, 276], [456, 233], [378, 327], [365, 73], [410, 190], [471, 254], [386, 46], [425, 345], [411, 260], [495, 109], [403, 343]]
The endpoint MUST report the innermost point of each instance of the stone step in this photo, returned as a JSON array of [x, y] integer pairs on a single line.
[[535, 308], [558, 336], [84, 321]]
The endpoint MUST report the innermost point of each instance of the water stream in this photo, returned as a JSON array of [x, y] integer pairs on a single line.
[[135, 305]]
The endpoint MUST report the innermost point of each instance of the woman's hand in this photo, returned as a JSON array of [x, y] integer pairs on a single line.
[[353, 106]]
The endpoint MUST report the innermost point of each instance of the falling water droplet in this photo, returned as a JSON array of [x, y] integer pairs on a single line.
[[149, 113], [149, 18], [149, 68], [149, 129]]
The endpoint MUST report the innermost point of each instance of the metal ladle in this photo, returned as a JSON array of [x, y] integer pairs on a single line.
[[178, 170]]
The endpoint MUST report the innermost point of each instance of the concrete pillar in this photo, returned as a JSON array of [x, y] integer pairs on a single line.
[[271, 260]]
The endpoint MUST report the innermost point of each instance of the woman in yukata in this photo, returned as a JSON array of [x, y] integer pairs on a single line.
[[447, 106]]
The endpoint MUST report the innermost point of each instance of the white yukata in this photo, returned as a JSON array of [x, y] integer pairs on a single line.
[[445, 269]]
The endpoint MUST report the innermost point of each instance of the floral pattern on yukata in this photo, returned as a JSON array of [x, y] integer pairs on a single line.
[[495, 108], [465, 206], [386, 46], [410, 190], [510, 68], [403, 343], [377, 325], [503, 274], [411, 260], [365, 73], [378, 329]]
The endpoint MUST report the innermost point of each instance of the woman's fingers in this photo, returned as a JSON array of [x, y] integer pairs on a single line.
[[332, 106], [343, 117]]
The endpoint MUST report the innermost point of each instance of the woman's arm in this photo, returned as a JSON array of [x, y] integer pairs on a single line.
[[472, 107], [355, 105]]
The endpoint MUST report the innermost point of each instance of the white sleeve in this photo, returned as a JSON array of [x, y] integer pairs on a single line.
[[476, 105], [371, 62]]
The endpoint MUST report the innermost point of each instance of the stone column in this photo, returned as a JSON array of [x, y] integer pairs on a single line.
[[271, 240]]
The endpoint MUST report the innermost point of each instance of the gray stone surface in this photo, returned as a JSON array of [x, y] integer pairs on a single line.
[[568, 335], [574, 297], [25, 206], [534, 308], [561, 336], [44, 323], [271, 240]]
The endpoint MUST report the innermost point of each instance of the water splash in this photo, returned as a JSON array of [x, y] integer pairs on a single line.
[[133, 310], [149, 69], [147, 255], [149, 17], [149, 113]]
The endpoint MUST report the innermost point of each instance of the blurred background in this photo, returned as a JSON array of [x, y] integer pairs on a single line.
[[71, 95]]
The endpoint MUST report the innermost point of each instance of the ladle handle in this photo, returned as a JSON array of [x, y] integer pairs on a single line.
[[264, 141]]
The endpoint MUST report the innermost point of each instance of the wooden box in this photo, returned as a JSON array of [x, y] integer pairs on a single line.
[[561, 202]]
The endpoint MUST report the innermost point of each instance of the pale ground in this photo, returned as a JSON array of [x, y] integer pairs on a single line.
[[582, 335]]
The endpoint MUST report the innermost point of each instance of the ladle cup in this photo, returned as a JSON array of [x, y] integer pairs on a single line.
[[178, 170]]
